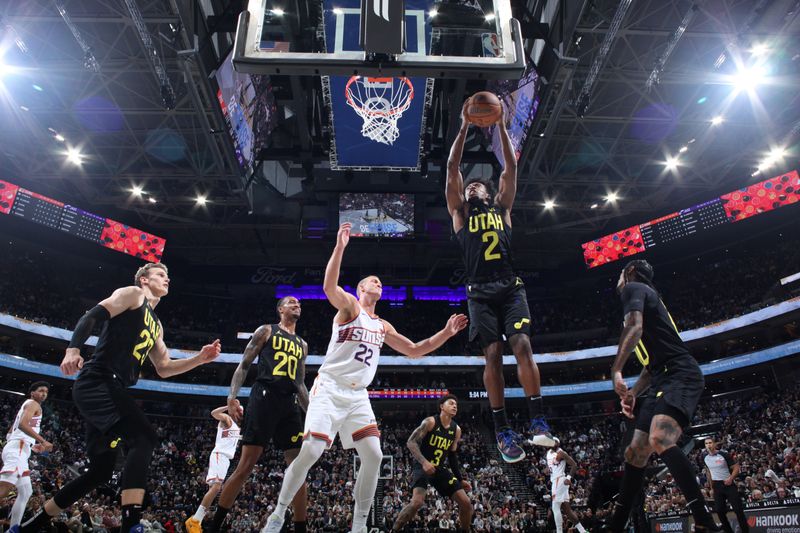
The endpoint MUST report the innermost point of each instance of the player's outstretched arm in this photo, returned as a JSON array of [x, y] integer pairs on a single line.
[[454, 185], [254, 347], [415, 439], [406, 346], [300, 380], [345, 303], [167, 367], [120, 301], [507, 189], [220, 414]]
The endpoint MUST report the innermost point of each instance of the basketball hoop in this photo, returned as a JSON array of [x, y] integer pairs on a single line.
[[380, 102]]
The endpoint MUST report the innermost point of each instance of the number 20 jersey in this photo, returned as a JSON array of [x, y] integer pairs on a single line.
[[485, 242], [354, 351]]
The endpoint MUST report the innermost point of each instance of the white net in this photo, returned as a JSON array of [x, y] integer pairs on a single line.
[[380, 102]]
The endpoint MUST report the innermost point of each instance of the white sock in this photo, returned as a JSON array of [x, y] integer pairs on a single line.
[[200, 514], [295, 474], [24, 492], [370, 453], [580, 527], [556, 506]]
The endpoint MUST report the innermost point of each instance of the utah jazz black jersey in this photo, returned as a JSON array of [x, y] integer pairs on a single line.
[[485, 242], [660, 340], [438, 441], [278, 360], [124, 343]]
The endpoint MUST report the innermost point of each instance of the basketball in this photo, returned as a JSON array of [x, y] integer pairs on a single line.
[[484, 109]]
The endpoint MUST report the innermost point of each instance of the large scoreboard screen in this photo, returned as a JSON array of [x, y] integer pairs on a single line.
[[19, 202], [731, 207]]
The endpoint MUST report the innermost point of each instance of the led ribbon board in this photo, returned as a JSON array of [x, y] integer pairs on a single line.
[[34, 207], [732, 207]]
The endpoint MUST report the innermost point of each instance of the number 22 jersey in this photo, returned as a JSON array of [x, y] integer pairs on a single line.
[[124, 343], [354, 351]]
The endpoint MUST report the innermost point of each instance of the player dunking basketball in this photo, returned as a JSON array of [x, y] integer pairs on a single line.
[[429, 443], [23, 437], [676, 384], [339, 400], [273, 410], [131, 333], [496, 298], [218, 462], [557, 461]]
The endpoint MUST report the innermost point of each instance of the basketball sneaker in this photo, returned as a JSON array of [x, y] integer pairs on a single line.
[[193, 525], [541, 433], [508, 444], [274, 524]]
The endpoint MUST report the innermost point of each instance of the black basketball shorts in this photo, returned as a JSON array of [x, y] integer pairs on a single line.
[[112, 415], [272, 416], [442, 480], [497, 308], [675, 391]]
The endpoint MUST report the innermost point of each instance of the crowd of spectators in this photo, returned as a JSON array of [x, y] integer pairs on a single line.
[[698, 291], [761, 431]]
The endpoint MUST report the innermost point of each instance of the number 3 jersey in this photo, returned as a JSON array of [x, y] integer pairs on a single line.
[[124, 344], [354, 351], [278, 360], [485, 242]]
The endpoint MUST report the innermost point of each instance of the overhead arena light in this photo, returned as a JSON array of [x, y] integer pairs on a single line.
[[672, 163], [549, 204], [612, 197], [748, 78], [716, 121], [201, 199], [137, 190], [74, 156]]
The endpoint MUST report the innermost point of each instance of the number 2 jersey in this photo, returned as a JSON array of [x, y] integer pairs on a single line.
[[278, 360], [354, 351], [124, 344], [485, 242]]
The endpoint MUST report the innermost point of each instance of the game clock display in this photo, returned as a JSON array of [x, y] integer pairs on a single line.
[[732, 207], [28, 205]]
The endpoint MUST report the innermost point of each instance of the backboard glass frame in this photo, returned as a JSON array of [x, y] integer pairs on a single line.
[[250, 58]]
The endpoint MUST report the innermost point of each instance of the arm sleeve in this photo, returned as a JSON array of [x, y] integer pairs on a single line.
[[633, 297], [83, 329], [454, 466]]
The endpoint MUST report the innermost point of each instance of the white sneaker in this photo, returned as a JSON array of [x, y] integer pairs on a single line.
[[274, 524], [362, 529]]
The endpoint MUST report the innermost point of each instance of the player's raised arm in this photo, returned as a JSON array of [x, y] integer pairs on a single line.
[[412, 349], [507, 189], [220, 414], [345, 303], [454, 186], [120, 301]]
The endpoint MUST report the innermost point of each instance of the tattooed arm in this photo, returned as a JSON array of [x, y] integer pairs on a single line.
[[257, 342], [414, 441]]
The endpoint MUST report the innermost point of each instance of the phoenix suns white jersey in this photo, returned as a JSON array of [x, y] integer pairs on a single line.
[[227, 439], [14, 433], [556, 467], [354, 351]]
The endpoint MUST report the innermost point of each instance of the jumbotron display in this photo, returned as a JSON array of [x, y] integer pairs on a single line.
[[16, 201], [731, 207]]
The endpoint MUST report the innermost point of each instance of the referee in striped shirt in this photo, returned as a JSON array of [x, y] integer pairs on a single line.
[[722, 470]]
